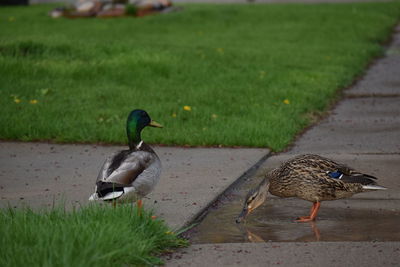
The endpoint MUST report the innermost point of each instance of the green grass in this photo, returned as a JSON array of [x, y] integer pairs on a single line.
[[234, 65], [90, 236]]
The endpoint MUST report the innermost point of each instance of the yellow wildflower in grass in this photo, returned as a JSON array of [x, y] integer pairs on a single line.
[[286, 101], [17, 100], [169, 233], [33, 101], [187, 108], [214, 116], [173, 115]]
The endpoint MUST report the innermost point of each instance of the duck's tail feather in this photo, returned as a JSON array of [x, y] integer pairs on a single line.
[[367, 181], [103, 188], [107, 197], [373, 187], [94, 197], [363, 179], [369, 176], [107, 191]]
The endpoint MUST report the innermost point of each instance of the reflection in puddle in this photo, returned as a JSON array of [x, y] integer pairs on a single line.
[[254, 238], [340, 220]]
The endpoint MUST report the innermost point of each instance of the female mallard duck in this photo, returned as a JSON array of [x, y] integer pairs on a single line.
[[309, 177], [129, 175]]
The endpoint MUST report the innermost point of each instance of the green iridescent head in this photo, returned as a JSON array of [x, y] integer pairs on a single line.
[[137, 120]]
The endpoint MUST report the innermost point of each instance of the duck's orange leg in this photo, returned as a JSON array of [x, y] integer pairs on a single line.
[[139, 205], [313, 213]]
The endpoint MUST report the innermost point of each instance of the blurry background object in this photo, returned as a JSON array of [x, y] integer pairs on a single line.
[[111, 8], [14, 2]]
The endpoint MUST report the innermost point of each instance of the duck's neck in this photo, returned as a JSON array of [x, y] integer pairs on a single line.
[[264, 185], [133, 132]]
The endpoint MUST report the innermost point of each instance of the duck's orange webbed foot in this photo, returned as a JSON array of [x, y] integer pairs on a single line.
[[305, 219], [313, 213]]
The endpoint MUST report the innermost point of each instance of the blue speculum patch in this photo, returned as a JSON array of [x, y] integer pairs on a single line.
[[336, 175]]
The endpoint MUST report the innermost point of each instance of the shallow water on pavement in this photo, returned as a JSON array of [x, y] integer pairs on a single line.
[[340, 220]]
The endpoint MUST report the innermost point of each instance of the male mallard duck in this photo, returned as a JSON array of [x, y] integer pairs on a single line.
[[309, 177], [129, 175]]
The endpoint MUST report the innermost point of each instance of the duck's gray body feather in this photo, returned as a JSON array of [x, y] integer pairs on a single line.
[[128, 175]]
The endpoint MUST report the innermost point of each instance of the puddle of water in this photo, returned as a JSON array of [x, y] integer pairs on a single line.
[[340, 220]]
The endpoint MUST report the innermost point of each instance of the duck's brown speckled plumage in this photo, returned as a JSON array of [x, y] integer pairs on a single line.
[[309, 177], [305, 177]]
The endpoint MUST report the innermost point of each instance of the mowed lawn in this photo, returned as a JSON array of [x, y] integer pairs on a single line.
[[249, 75]]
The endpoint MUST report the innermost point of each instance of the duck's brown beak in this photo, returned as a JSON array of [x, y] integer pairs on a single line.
[[242, 215], [155, 124]]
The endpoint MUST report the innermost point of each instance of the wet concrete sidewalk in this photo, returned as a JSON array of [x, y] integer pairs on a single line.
[[363, 131], [39, 174]]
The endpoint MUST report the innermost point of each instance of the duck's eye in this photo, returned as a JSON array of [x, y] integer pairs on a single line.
[[251, 199]]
